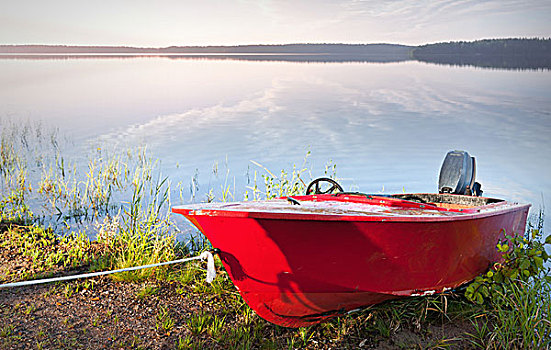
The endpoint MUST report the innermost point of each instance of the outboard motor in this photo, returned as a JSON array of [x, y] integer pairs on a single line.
[[457, 175]]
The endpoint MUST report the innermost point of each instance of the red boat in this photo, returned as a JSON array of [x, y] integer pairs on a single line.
[[303, 259]]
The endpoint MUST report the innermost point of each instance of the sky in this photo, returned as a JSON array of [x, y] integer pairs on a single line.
[[161, 23]]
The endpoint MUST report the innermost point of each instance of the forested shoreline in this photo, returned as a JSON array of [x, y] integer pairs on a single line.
[[494, 53], [511, 53]]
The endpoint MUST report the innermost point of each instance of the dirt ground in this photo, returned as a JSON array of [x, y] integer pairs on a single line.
[[109, 315], [101, 313]]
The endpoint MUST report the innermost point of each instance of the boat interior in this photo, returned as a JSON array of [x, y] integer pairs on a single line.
[[449, 201], [457, 186]]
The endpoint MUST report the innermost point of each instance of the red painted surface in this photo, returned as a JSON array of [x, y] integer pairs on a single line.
[[295, 268]]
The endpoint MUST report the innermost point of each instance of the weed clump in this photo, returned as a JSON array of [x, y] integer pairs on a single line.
[[516, 293]]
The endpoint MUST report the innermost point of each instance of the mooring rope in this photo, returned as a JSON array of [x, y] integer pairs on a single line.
[[206, 255]]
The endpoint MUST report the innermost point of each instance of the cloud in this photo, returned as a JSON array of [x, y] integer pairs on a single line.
[[426, 11], [169, 22]]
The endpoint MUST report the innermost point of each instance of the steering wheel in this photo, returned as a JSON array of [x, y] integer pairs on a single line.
[[314, 186]]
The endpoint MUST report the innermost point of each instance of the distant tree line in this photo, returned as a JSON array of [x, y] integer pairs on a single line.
[[348, 49], [515, 53], [516, 46]]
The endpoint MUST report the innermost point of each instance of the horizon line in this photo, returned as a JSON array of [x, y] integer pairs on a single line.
[[267, 44]]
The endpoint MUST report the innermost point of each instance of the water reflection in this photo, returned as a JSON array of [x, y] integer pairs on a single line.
[[482, 61], [492, 61], [305, 58]]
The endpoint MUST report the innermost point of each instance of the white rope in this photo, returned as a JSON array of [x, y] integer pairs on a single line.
[[211, 271], [206, 255]]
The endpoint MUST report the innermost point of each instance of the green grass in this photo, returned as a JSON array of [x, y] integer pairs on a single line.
[[44, 251], [147, 290], [197, 324], [519, 319], [164, 321], [6, 330]]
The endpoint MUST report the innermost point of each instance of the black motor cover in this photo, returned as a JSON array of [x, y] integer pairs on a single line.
[[457, 174]]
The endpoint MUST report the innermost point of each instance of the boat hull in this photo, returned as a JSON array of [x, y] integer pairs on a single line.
[[298, 270]]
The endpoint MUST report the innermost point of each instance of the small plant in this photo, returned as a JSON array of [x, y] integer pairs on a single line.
[[147, 290], [524, 258], [241, 337], [68, 290], [198, 324], [164, 321], [215, 326], [305, 335], [479, 338], [247, 316], [6, 331], [134, 344], [88, 284], [95, 321], [291, 344], [184, 343], [30, 309]]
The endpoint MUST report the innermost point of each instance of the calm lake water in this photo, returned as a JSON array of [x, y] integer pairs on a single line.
[[387, 126]]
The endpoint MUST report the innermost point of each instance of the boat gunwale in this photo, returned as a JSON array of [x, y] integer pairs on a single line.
[[477, 212]]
